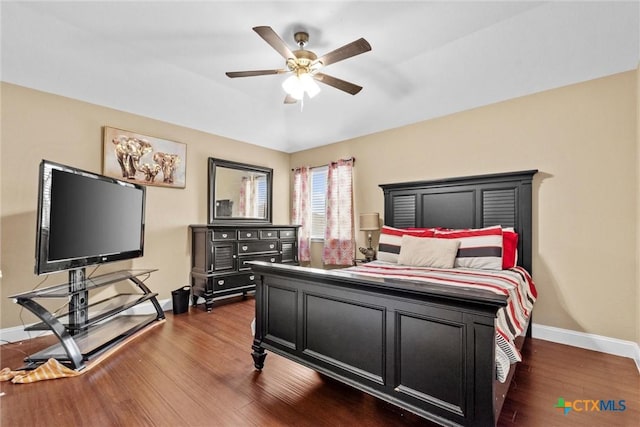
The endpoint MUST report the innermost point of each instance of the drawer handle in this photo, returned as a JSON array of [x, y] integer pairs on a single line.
[[272, 246], [244, 248], [248, 234], [252, 277], [269, 234], [220, 282], [224, 236], [273, 260]]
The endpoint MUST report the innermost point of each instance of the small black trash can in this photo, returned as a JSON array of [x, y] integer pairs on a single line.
[[180, 300]]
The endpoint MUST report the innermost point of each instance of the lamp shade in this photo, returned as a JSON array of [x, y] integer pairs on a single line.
[[297, 84], [310, 86], [293, 87], [369, 221]]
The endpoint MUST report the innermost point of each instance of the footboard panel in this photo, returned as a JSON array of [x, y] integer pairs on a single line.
[[428, 352], [358, 348]]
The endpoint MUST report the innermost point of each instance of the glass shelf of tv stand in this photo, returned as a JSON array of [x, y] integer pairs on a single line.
[[94, 340], [61, 291], [89, 328], [97, 311]]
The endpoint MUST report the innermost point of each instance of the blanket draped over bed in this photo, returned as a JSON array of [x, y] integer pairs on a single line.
[[514, 283]]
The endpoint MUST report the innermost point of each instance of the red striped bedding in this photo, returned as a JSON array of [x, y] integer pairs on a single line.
[[515, 283]]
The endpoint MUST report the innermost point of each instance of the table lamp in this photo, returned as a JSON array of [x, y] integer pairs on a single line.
[[369, 222]]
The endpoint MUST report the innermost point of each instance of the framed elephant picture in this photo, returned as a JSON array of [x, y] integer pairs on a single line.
[[143, 159]]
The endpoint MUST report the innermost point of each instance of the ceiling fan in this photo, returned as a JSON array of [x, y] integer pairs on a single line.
[[305, 65]]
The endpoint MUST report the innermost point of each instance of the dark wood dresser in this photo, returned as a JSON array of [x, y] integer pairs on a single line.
[[218, 254]]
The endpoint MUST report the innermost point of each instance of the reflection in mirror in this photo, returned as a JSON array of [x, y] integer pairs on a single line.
[[239, 192]]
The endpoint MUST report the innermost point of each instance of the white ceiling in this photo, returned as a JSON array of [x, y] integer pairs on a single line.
[[167, 60]]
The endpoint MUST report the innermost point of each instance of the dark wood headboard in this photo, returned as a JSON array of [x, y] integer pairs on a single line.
[[465, 202]]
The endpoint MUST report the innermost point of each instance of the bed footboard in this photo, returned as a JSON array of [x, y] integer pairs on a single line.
[[423, 348]]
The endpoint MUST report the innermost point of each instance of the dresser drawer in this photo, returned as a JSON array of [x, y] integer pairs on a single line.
[[268, 234], [266, 258], [223, 235], [231, 282], [288, 233], [212, 285], [257, 247], [248, 235]]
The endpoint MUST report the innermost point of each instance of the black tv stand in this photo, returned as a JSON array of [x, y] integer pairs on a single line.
[[87, 329]]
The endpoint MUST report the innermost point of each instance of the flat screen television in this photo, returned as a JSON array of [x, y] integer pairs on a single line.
[[86, 219]]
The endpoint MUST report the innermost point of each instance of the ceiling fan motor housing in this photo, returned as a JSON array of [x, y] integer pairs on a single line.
[[303, 61]]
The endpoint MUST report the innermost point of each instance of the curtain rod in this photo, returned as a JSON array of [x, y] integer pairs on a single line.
[[319, 166]]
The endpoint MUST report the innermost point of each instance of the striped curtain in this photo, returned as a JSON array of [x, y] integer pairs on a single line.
[[339, 244], [301, 212]]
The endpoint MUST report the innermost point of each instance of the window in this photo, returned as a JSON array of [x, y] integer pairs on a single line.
[[318, 201], [261, 198]]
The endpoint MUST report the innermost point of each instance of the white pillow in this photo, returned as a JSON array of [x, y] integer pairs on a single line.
[[428, 252]]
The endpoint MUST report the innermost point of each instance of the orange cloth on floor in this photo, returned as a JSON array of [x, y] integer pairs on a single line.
[[50, 370], [6, 374]]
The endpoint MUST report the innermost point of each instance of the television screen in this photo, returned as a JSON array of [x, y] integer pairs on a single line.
[[86, 218]]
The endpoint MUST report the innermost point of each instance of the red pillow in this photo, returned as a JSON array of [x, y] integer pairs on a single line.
[[428, 230], [419, 232], [509, 248]]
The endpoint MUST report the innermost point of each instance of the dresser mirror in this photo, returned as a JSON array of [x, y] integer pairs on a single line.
[[239, 193]]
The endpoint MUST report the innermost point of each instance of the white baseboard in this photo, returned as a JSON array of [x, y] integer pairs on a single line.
[[17, 333], [147, 307], [594, 342]]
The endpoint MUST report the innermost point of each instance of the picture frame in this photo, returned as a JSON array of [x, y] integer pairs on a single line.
[[143, 159]]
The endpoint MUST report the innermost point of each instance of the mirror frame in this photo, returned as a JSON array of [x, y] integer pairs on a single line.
[[211, 189]]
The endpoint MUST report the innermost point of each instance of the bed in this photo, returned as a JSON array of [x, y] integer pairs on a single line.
[[422, 345]]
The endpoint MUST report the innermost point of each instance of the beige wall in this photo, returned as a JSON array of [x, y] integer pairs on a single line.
[[36, 125], [583, 140]]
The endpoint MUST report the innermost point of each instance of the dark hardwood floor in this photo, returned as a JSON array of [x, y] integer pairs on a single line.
[[196, 370]]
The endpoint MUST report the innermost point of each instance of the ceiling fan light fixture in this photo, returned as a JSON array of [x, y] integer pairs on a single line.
[[297, 85], [309, 84], [293, 86]]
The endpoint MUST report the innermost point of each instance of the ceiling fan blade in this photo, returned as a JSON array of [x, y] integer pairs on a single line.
[[290, 99], [274, 41], [233, 74], [347, 51], [338, 83]]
